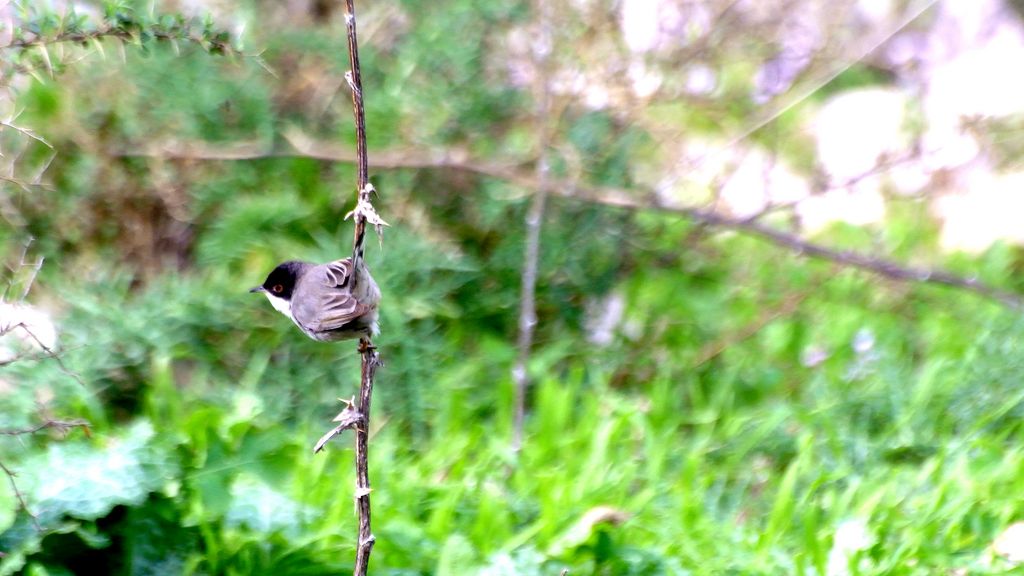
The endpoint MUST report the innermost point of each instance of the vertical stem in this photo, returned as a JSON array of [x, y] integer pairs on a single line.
[[355, 80], [366, 539], [534, 217], [370, 360], [357, 94]]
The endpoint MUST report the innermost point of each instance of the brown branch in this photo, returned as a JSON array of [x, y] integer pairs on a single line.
[[534, 218], [880, 266], [645, 200], [370, 363], [354, 78], [370, 360], [632, 199]]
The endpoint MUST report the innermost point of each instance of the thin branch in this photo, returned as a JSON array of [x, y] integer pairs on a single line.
[[354, 78], [534, 216], [363, 212], [25, 186], [880, 266], [633, 199], [200, 150], [644, 200], [27, 132], [884, 164], [15, 269], [68, 37], [349, 419], [883, 267], [32, 276], [21, 358], [49, 353], [213, 44], [20, 497], [368, 369], [301, 145], [61, 426]]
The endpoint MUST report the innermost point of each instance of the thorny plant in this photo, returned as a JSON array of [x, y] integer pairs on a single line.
[[12, 325]]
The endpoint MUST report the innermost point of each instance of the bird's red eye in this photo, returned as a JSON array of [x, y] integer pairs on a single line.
[[277, 289]]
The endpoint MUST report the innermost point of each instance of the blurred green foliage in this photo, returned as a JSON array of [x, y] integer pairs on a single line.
[[684, 445]]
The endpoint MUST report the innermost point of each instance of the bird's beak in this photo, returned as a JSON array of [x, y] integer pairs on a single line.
[[258, 289]]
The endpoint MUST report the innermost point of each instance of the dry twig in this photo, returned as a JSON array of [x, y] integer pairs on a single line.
[[348, 418], [62, 426], [11, 475], [25, 131], [534, 217], [633, 199], [370, 363], [357, 415], [646, 200], [51, 354]]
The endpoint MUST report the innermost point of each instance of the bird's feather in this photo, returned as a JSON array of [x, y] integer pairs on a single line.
[[335, 306]]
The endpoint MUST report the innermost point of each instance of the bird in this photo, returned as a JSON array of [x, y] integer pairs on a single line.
[[328, 302]]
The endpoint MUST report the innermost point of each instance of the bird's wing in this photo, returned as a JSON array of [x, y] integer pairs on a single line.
[[335, 306]]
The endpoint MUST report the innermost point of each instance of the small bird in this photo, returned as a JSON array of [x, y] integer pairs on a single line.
[[332, 301]]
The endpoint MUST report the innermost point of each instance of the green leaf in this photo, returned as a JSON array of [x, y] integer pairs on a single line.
[[259, 507], [81, 480]]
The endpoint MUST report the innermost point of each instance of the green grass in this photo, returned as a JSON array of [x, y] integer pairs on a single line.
[[701, 474]]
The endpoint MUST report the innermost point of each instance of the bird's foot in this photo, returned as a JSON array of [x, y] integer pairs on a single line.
[[366, 346]]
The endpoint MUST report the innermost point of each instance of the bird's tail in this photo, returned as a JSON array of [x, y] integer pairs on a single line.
[[359, 240], [358, 245]]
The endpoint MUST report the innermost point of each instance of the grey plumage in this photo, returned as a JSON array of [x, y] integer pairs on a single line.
[[329, 301]]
